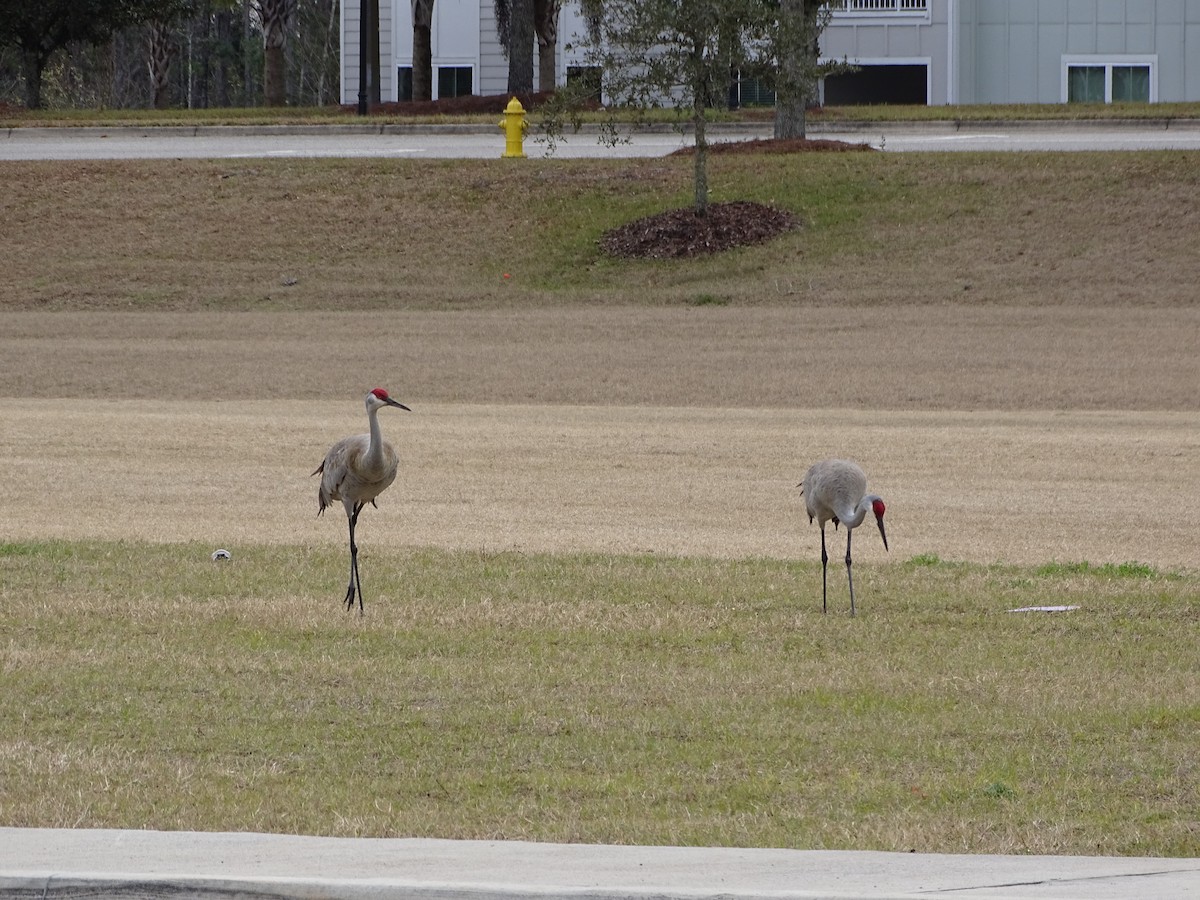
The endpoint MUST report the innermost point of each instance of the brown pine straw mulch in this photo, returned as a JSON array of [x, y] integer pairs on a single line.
[[779, 145], [681, 233]]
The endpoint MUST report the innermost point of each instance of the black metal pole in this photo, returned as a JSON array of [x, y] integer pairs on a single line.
[[364, 43]]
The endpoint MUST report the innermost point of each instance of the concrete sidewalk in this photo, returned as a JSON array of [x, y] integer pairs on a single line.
[[45, 863]]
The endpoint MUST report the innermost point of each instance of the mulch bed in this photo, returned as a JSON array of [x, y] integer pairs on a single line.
[[681, 233], [455, 106], [778, 145]]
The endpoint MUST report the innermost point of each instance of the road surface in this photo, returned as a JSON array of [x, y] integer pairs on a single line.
[[234, 142]]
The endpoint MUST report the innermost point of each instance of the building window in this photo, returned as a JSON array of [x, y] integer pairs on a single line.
[[879, 7], [1130, 83], [1085, 84], [404, 83], [877, 84], [1109, 81], [454, 81]]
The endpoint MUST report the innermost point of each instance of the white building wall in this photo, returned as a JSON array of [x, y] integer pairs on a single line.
[[493, 65], [918, 37], [1013, 51], [387, 69], [351, 35], [978, 51], [350, 41]]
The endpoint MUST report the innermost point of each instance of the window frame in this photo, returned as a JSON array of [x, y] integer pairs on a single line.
[[1108, 62]]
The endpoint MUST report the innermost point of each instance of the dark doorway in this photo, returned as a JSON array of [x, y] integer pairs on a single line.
[[878, 84]]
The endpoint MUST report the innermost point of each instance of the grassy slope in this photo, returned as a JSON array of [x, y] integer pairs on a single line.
[[881, 229]]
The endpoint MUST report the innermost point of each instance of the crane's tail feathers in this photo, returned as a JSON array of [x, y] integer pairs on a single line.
[[322, 502]]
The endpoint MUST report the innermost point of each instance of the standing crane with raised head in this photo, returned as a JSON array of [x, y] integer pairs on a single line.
[[356, 470], [837, 489]]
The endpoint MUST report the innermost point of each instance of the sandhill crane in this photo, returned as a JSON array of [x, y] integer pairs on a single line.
[[837, 489], [356, 470]]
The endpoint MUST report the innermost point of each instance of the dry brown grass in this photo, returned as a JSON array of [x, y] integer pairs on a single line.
[[989, 486], [1088, 230], [945, 320], [902, 358]]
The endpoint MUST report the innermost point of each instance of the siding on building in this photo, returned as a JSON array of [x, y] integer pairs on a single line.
[[1014, 51], [975, 51], [351, 35]]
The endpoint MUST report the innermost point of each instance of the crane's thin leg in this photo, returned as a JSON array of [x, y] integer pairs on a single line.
[[850, 577], [355, 581], [824, 567]]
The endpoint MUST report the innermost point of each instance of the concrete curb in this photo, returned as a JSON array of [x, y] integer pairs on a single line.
[[65, 863], [763, 128]]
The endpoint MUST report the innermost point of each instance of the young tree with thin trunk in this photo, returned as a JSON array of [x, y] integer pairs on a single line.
[[655, 53]]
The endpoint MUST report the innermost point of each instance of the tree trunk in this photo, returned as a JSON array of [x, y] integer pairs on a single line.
[[248, 89], [159, 64], [223, 26], [700, 167], [545, 13], [798, 67], [547, 65], [422, 68], [274, 87], [33, 63], [520, 48], [328, 77], [790, 119], [200, 30], [275, 15]]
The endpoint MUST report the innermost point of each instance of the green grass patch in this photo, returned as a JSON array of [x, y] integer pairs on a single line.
[[629, 699], [1104, 570]]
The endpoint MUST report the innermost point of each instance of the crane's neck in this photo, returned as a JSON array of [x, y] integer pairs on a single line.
[[858, 513], [374, 458]]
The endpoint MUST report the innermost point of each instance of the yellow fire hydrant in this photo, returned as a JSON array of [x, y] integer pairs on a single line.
[[514, 126]]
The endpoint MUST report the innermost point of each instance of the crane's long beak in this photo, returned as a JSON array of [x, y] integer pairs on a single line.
[[396, 403], [882, 533]]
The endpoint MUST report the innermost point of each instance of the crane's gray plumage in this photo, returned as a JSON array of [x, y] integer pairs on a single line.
[[837, 489], [356, 470]]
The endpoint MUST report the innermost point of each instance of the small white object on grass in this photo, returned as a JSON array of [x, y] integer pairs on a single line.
[[221, 554], [1044, 609]]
